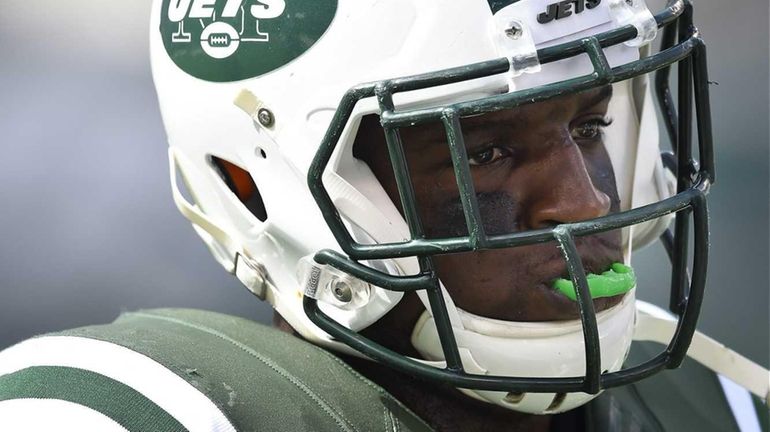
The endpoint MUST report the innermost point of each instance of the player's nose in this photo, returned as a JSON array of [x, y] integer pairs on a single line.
[[564, 191]]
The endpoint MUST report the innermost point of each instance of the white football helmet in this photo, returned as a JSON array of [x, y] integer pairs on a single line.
[[262, 101]]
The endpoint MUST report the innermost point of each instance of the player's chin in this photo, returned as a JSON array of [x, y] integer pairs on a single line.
[[549, 305]]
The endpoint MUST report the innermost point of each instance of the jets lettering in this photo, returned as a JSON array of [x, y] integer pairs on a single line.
[[178, 10], [563, 9]]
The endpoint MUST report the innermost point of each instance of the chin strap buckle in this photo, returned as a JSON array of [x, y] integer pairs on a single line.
[[635, 13]]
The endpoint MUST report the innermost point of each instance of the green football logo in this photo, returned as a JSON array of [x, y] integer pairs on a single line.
[[232, 40]]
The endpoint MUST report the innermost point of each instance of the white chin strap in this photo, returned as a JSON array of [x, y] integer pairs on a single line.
[[531, 349]]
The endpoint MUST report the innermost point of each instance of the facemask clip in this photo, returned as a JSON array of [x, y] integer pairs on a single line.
[[514, 41], [635, 13], [334, 287]]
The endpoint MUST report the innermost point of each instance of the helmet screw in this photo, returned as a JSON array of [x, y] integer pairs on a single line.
[[514, 30], [341, 291], [265, 117]]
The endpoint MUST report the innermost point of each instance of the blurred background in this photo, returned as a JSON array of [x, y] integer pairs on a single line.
[[88, 228]]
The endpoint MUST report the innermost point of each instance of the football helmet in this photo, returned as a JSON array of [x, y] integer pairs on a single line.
[[262, 101]]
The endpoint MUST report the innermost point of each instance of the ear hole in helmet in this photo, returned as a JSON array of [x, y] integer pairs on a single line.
[[240, 183]]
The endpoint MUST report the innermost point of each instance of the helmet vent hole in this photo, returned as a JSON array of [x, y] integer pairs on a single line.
[[240, 183], [514, 398], [557, 401], [183, 187], [261, 153]]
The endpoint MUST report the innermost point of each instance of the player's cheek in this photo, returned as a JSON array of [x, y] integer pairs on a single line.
[[500, 212], [445, 218]]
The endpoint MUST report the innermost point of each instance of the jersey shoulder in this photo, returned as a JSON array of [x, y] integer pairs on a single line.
[[181, 369]]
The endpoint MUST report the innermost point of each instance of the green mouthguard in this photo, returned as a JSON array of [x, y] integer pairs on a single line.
[[619, 279]]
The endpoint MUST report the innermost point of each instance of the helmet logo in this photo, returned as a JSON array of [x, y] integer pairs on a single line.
[[220, 39], [230, 40], [563, 9]]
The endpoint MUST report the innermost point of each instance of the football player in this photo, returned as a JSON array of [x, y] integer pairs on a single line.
[[440, 201]]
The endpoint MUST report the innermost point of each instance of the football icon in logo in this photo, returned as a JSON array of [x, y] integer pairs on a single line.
[[220, 40]]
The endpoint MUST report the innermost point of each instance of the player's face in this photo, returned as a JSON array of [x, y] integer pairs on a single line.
[[533, 167]]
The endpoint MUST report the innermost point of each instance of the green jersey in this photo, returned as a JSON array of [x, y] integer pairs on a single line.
[[189, 370]]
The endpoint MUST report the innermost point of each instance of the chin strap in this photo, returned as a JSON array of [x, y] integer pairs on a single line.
[[656, 325]]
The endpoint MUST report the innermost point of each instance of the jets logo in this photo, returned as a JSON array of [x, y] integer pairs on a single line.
[[565, 8], [219, 38], [230, 40]]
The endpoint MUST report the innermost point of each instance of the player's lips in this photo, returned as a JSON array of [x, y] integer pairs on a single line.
[[558, 306], [516, 284], [537, 298]]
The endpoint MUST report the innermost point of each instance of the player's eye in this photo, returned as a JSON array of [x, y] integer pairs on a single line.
[[488, 156], [591, 129]]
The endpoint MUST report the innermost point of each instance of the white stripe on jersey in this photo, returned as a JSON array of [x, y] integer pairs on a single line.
[[170, 392], [44, 415], [740, 403]]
